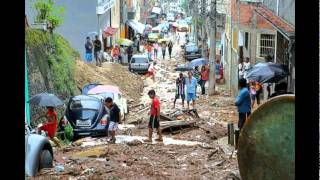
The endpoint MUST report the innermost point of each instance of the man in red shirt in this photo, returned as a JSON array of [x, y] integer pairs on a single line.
[[154, 116]]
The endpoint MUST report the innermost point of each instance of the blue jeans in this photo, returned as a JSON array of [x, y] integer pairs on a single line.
[[149, 55]]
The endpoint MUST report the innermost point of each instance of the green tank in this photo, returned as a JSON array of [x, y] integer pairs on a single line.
[[266, 146]]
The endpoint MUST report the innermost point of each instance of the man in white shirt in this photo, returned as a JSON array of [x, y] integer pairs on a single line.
[[241, 70], [246, 66]]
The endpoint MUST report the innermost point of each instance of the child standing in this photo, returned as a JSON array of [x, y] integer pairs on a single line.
[[253, 93]]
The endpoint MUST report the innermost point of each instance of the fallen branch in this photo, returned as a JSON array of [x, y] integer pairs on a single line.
[[140, 111]]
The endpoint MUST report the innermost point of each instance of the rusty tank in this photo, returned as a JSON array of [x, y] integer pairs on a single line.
[[266, 145]]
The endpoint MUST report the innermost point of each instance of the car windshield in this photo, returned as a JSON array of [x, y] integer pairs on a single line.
[[191, 48], [139, 60], [85, 104]]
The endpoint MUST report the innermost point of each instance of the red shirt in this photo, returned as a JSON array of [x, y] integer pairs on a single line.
[[154, 107], [51, 126], [149, 48], [205, 75]]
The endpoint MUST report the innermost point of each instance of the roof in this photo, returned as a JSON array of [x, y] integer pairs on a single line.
[[284, 27], [140, 56], [247, 12]]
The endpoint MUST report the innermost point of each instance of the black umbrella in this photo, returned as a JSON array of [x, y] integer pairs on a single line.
[[267, 72], [45, 100], [183, 67]]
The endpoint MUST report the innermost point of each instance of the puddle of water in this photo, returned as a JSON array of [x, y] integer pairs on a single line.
[[124, 127], [166, 141]]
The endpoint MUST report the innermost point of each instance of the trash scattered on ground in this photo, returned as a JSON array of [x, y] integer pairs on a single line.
[[59, 168]]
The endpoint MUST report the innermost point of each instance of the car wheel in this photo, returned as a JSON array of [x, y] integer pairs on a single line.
[[46, 159]]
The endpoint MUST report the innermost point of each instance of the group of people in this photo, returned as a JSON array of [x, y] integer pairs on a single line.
[[93, 46], [187, 86], [156, 47], [117, 53]]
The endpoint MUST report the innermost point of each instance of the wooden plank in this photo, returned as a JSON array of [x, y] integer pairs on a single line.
[[165, 117]]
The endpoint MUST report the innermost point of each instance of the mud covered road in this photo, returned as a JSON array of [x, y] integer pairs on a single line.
[[195, 151]]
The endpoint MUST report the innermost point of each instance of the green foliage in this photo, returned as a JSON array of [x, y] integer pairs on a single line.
[[47, 12], [68, 132], [58, 66]]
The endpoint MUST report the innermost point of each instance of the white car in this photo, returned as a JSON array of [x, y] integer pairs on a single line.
[[117, 99]]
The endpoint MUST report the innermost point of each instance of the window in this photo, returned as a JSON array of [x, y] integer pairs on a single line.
[[139, 60], [85, 104], [266, 45]]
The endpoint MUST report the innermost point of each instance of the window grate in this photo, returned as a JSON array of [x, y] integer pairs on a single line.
[[267, 45]]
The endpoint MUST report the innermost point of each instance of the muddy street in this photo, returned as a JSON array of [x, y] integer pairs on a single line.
[[192, 148]]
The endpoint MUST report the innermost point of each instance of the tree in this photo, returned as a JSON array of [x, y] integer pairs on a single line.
[[212, 56], [48, 13]]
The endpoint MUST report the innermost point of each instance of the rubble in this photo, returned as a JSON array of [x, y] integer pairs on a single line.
[[195, 147]]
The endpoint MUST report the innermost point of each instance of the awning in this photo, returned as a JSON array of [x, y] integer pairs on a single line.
[[109, 31], [137, 26], [156, 10], [283, 27]]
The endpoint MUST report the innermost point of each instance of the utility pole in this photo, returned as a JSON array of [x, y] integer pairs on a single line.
[[203, 13], [212, 56], [195, 14]]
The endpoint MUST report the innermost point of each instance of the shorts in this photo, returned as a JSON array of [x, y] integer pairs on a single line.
[[113, 126], [153, 122], [191, 97], [183, 96], [89, 57], [253, 97]]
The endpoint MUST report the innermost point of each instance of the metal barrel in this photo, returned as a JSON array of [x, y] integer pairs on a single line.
[[266, 149]]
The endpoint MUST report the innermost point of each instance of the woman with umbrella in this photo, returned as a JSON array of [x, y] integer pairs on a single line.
[[49, 101], [52, 122]]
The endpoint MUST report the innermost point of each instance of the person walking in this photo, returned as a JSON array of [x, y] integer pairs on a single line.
[[241, 70], [243, 103], [148, 47], [191, 84], [155, 50], [97, 48], [246, 66], [129, 52], [170, 46], [154, 121], [196, 74], [178, 39], [180, 89], [122, 54], [116, 53], [114, 118], [259, 89], [203, 79], [88, 46], [253, 93], [163, 48]]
